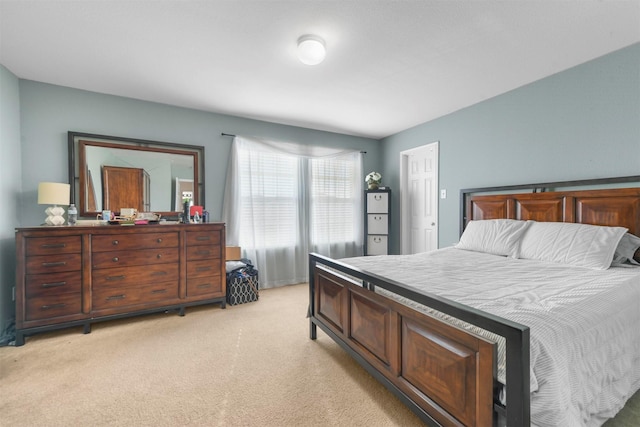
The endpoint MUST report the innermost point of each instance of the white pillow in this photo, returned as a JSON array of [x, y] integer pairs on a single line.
[[581, 245], [627, 247], [493, 236]]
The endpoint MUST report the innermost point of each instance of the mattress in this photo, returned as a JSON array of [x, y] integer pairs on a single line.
[[584, 324]]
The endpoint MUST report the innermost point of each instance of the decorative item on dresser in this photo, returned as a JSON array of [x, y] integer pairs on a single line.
[[377, 222], [53, 193], [71, 276]]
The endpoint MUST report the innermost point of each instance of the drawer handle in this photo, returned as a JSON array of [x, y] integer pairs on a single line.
[[377, 197], [54, 264], [159, 291], [159, 273], [201, 238], [115, 243], [53, 285], [159, 240], [203, 268], [52, 306], [54, 246], [121, 277], [159, 256], [116, 297], [205, 285], [377, 218], [115, 259], [377, 239], [203, 252]]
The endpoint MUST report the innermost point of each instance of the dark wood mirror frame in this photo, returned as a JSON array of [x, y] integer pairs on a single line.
[[79, 179]]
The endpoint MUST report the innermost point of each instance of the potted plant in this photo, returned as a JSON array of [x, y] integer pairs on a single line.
[[373, 180]]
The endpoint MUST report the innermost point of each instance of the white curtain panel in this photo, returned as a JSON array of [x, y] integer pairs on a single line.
[[283, 200]]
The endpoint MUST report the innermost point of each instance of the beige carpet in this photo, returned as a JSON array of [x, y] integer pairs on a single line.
[[248, 365]]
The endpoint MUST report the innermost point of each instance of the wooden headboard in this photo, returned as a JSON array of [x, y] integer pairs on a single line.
[[611, 207]]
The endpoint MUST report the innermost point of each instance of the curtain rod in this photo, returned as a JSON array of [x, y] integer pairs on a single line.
[[228, 134]]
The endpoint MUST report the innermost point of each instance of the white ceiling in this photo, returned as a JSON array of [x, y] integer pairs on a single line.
[[390, 65]]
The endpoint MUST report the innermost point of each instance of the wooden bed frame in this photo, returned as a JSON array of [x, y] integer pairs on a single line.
[[446, 375]]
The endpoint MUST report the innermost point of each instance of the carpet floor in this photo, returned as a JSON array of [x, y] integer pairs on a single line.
[[248, 365]]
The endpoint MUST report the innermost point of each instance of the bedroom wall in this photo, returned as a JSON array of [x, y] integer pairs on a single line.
[[10, 188], [49, 111], [581, 123]]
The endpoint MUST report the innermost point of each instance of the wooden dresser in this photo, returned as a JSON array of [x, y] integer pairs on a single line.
[[75, 275]]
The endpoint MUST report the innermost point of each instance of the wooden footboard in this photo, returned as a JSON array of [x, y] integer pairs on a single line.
[[444, 374]]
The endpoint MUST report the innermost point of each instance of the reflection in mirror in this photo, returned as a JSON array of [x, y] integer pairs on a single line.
[[115, 173]]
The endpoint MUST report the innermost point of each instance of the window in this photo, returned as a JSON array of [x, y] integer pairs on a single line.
[[282, 201]]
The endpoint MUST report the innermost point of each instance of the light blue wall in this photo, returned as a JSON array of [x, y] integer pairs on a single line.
[[49, 111], [578, 124], [10, 188]]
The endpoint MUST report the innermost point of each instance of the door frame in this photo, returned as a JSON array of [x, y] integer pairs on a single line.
[[404, 200]]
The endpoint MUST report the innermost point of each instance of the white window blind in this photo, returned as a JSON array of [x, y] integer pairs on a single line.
[[270, 198], [333, 201]]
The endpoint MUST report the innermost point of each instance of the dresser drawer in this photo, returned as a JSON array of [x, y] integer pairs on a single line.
[[203, 252], [130, 258], [198, 238], [204, 286], [39, 285], [53, 263], [124, 242], [104, 298], [53, 245], [133, 276], [204, 268], [48, 307]]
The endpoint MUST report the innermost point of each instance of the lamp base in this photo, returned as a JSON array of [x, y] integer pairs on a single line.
[[54, 215]]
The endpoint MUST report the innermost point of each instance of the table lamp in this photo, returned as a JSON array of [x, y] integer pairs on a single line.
[[54, 193]]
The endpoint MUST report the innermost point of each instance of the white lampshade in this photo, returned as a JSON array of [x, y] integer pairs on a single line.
[[311, 50], [54, 193]]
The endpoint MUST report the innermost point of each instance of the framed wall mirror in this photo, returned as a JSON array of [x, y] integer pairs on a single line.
[[108, 172]]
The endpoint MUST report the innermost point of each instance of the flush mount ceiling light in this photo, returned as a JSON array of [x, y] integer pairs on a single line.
[[311, 50]]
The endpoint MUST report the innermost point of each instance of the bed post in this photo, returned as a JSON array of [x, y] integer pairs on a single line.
[[517, 372], [313, 333]]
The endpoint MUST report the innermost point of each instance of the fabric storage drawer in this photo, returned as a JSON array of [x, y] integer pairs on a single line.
[[377, 202], [378, 224], [377, 245]]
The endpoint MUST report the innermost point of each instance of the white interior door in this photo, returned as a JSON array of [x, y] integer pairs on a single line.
[[419, 199], [182, 186]]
